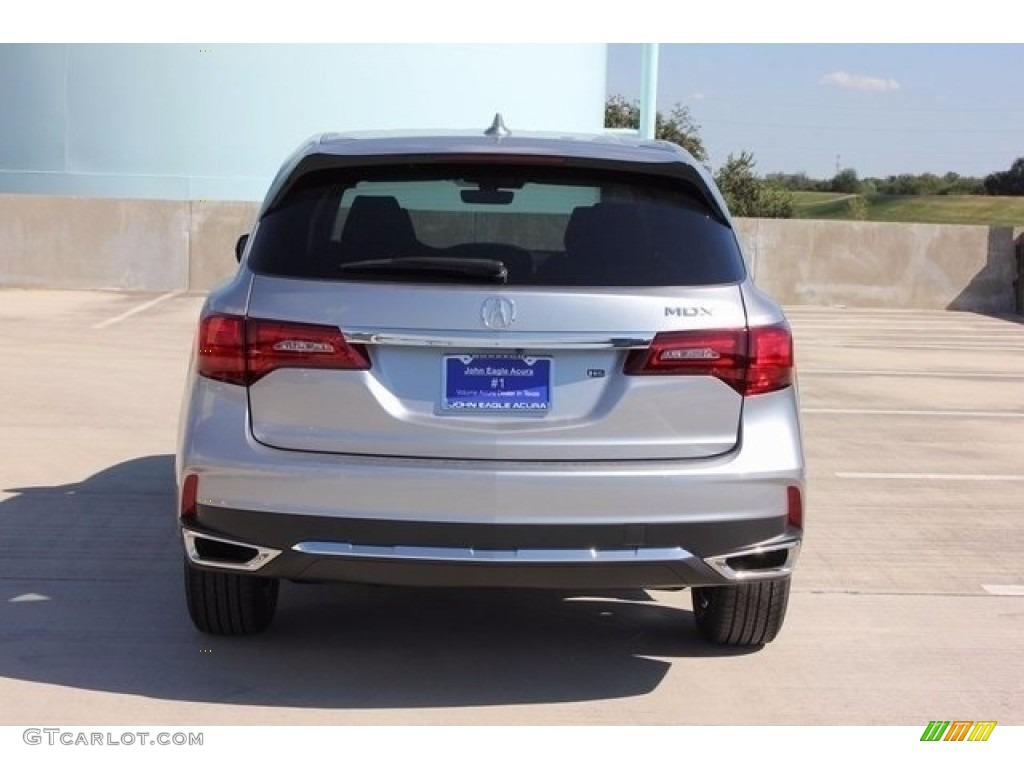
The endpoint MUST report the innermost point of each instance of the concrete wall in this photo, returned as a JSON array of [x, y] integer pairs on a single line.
[[159, 245], [214, 229], [59, 242], [135, 245], [870, 264], [1018, 283]]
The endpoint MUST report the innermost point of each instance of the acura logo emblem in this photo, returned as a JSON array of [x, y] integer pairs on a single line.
[[498, 312]]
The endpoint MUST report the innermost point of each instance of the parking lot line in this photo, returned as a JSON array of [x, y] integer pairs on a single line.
[[926, 476], [1009, 590], [937, 347], [888, 412], [135, 310], [923, 374], [915, 326]]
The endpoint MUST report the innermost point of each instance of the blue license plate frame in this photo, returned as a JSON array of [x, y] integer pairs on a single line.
[[489, 384]]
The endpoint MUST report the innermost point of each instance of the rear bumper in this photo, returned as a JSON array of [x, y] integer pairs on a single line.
[[454, 554], [676, 569], [439, 522]]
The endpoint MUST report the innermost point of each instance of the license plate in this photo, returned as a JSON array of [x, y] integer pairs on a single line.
[[496, 384]]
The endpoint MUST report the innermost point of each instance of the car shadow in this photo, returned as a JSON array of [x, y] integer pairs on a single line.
[[91, 598]]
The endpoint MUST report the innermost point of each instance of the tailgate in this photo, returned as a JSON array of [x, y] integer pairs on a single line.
[[544, 382]]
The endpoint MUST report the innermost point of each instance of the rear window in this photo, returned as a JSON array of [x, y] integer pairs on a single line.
[[547, 227]]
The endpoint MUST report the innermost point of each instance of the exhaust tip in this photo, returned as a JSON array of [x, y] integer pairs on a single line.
[[764, 562], [758, 561], [217, 552]]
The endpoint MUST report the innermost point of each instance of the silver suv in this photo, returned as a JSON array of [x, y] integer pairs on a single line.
[[492, 360]]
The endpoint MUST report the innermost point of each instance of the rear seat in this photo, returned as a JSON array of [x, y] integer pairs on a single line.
[[377, 227]]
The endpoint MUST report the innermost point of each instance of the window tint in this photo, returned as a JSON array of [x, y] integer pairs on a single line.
[[567, 227]]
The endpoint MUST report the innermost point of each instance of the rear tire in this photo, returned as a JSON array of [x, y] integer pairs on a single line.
[[742, 614], [221, 603]]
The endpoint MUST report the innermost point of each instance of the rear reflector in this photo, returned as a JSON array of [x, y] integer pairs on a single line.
[[794, 507], [189, 492], [751, 361], [242, 350]]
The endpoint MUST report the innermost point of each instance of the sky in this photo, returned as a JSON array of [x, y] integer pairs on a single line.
[[881, 109], [879, 86]]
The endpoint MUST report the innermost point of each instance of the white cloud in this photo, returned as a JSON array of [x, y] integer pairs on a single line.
[[860, 82], [698, 96]]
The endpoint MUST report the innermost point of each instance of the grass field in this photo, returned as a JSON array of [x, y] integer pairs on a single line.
[[937, 209]]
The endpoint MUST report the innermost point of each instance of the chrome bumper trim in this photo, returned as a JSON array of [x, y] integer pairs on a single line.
[[465, 555]]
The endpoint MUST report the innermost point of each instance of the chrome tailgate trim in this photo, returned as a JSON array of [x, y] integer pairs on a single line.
[[486, 339]]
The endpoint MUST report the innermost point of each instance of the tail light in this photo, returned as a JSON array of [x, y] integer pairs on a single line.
[[221, 348], [752, 361], [189, 492], [771, 359], [242, 350]]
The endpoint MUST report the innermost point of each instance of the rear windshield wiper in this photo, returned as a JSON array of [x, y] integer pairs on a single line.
[[429, 269]]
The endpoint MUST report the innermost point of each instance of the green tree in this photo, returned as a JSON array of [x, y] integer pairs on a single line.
[[794, 182], [748, 195], [678, 126], [928, 184], [846, 181], [1009, 182], [964, 185], [739, 184]]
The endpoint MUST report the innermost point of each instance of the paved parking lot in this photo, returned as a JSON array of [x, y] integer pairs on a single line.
[[908, 602]]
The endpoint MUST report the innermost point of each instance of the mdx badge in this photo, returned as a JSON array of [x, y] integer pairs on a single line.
[[497, 312], [687, 312]]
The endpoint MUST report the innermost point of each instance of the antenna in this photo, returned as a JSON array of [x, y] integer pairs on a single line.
[[498, 129]]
